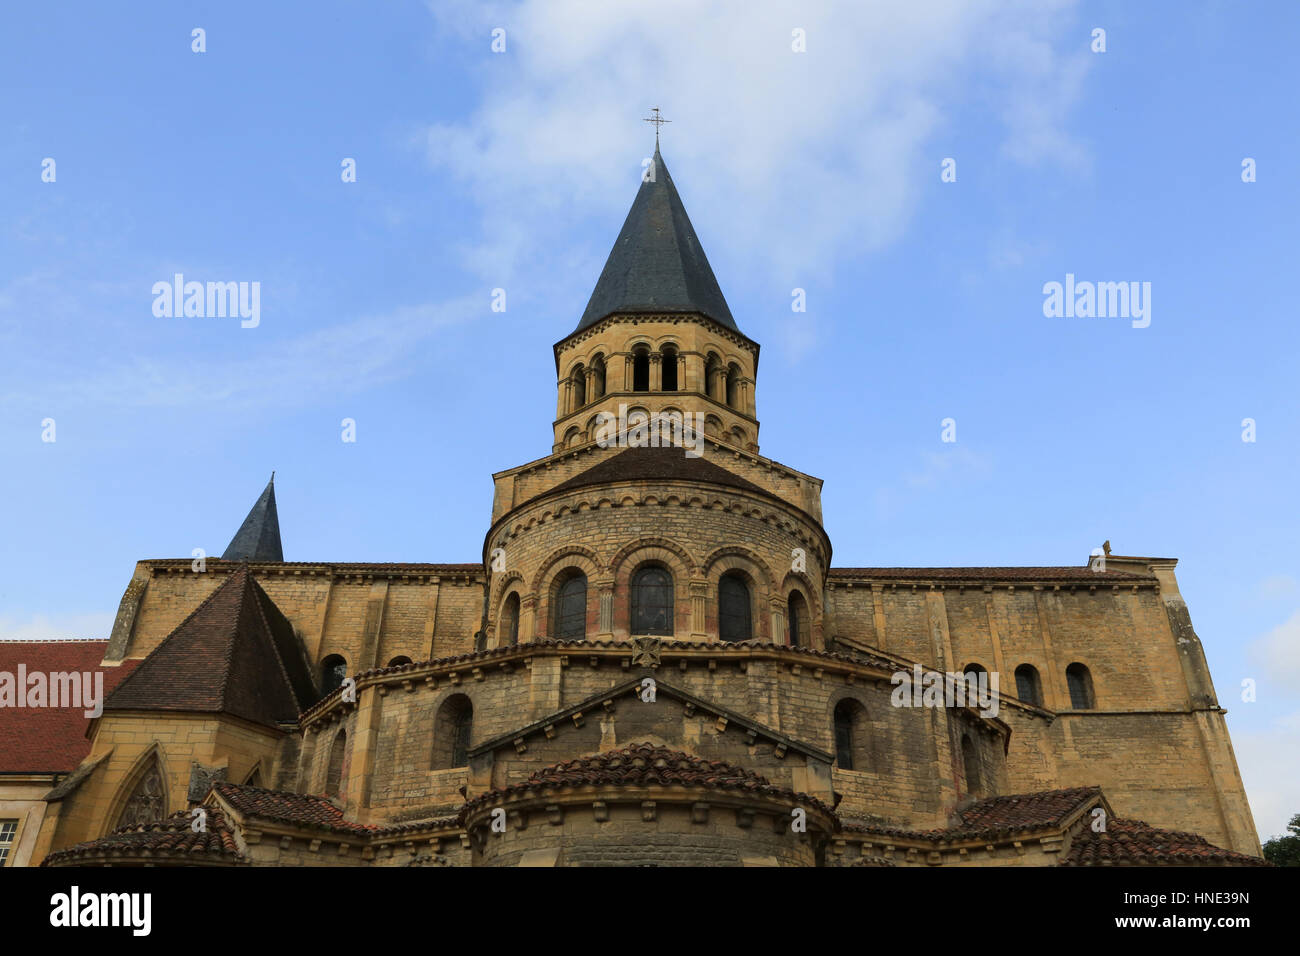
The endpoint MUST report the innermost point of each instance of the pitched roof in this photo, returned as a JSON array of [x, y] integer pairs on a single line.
[[226, 657], [258, 538], [654, 464], [657, 263], [170, 839], [281, 806], [1079, 575], [51, 739], [1000, 815], [1135, 843]]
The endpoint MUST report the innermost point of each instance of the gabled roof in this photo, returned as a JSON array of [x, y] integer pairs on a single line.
[[258, 538], [236, 654], [1135, 843], [657, 263], [51, 739]]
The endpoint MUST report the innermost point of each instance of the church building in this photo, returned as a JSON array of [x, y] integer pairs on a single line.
[[653, 661]]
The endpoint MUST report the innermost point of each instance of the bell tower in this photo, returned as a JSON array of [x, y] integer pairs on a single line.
[[657, 335]]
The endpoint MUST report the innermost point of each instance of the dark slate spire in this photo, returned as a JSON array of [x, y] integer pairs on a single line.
[[258, 538], [657, 263]]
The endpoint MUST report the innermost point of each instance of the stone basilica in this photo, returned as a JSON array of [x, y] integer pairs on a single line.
[[654, 662]]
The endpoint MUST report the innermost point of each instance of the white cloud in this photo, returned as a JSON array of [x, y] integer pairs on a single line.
[[1272, 780], [794, 159], [1278, 654]]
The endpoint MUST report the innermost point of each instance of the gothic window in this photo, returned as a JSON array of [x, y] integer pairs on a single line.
[[333, 671], [148, 800], [652, 601], [850, 733], [1080, 683], [971, 760], [334, 770], [641, 370], [510, 621], [451, 732], [1028, 687], [669, 369], [797, 616], [734, 622], [571, 609]]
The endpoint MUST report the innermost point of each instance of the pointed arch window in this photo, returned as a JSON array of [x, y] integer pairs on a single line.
[[734, 613], [148, 799], [652, 601]]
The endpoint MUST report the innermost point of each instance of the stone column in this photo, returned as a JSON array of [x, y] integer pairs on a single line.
[[656, 372], [627, 373], [527, 618], [681, 372], [562, 397], [777, 614], [605, 591], [718, 387], [699, 597], [591, 384]]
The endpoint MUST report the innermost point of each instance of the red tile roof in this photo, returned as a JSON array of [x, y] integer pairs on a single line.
[[299, 809], [232, 655], [1134, 843], [647, 765], [994, 816], [1072, 575], [50, 739], [172, 840]]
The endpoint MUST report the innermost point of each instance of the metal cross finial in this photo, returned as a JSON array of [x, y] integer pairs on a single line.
[[658, 120]]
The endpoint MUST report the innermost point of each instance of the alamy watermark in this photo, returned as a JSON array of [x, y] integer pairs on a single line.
[[1102, 300], [56, 689], [213, 300]]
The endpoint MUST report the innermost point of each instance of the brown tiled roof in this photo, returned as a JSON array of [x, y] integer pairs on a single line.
[[656, 464], [395, 567], [172, 839], [51, 739], [647, 765], [1134, 843], [1074, 575], [995, 816], [224, 658], [281, 806]]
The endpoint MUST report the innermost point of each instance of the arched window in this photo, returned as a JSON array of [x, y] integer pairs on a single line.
[[571, 608], [598, 378], [668, 369], [652, 601], [579, 387], [334, 770], [333, 671], [849, 724], [796, 613], [734, 618], [641, 370], [451, 732], [1080, 683], [971, 675], [399, 661], [1028, 687], [510, 621], [971, 760], [148, 799], [733, 386]]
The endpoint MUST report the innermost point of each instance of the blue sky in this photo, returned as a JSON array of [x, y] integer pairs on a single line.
[[818, 170]]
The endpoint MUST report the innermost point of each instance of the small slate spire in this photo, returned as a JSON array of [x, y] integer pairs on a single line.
[[258, 538], [657, 263]]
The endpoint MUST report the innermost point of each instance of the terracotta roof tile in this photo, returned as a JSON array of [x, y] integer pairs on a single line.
[[1074, 575], [172, 838], [646, 765], [281, 806], [1135, 843], [225, 658], [51, 739]]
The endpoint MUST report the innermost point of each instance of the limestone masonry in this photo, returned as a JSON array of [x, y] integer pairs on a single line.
[[654, 661]]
